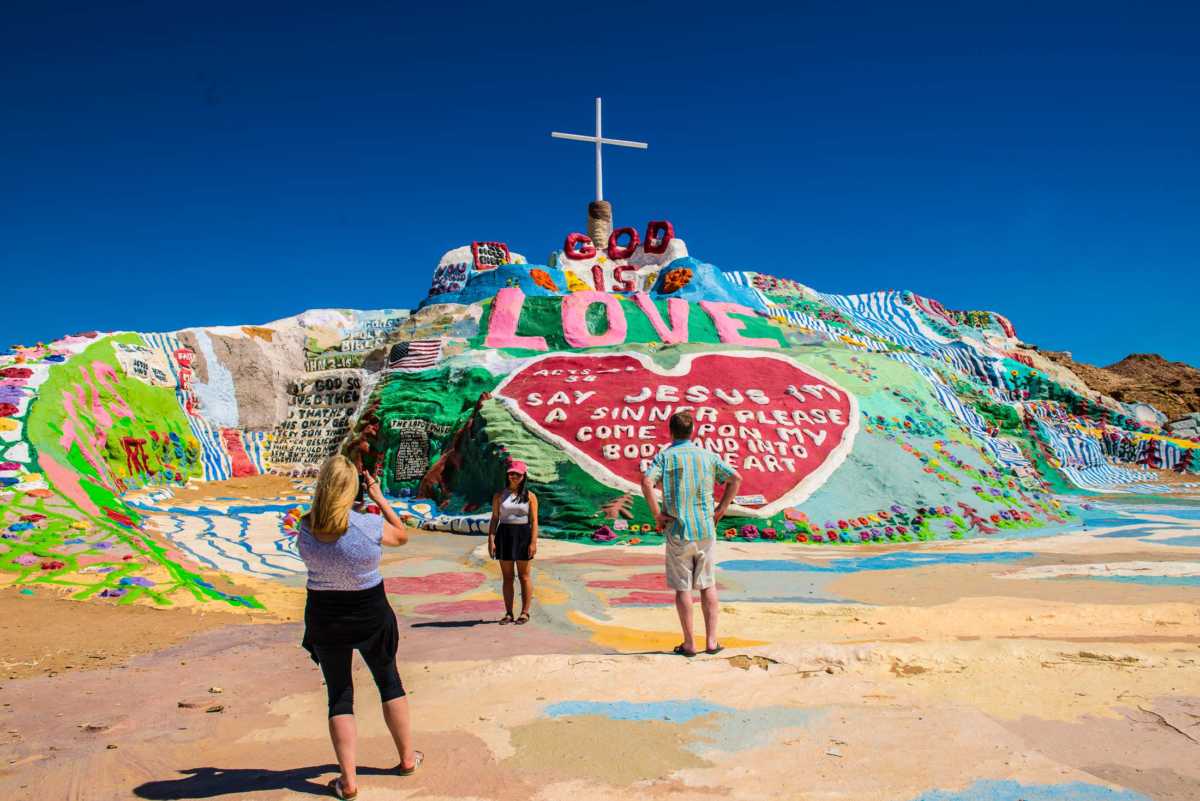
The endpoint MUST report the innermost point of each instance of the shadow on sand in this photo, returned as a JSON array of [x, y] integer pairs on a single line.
[[452, 624], [233, 782]]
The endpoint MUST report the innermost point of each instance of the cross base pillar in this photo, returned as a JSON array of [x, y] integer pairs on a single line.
[[600, 222]]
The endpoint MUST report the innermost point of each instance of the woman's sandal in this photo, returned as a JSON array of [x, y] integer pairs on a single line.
[[335, 787], [681, 651], [506, 620], [418, 758], [523, 619]]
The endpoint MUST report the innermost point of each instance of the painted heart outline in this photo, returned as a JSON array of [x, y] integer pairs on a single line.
[[791, 390]]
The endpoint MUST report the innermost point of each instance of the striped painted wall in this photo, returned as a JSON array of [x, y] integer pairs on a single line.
[[894, 319], [216, 461]]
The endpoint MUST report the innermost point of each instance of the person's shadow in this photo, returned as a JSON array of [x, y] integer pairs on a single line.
[[215, 782], [451, 624]]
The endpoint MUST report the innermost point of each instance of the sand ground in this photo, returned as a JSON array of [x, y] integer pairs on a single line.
[[1046, 669]]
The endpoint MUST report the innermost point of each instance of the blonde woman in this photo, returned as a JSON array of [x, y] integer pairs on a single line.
[[347, 610]]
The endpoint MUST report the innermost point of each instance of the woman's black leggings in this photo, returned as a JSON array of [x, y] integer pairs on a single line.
[[335, 666]]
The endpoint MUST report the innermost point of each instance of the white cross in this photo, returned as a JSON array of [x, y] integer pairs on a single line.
[[600, 141]]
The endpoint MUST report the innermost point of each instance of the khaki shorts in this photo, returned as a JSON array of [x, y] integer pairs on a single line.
[[690, 564]]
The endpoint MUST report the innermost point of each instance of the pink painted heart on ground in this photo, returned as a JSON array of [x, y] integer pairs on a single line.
[[640, 581], [461, 608], [783, 426], [433, 584]]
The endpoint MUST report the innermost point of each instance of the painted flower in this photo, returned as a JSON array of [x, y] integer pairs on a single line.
[[750, 531], [730, 533], [635, 540], [801, 538], [770, 534], [677, 279], [543, 279]]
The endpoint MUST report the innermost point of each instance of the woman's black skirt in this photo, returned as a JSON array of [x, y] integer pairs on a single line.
[[358, 619], [512, 541]]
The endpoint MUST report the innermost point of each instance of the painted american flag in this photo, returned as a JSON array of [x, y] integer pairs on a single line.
[[419, 354]]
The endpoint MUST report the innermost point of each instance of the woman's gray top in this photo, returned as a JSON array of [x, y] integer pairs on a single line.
[[351, 562]]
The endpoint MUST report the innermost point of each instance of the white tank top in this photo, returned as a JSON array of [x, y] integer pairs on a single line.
[[513, 512]]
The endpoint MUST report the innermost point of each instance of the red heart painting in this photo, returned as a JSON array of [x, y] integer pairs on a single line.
[[785, 427]]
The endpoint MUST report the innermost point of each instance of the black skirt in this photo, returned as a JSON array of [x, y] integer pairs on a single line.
[[357, 619], [512, 541]]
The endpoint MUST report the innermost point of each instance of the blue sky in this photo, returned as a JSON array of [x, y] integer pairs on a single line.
[[164, 166]]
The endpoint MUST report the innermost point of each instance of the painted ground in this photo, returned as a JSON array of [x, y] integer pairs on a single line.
[[1047, 668]]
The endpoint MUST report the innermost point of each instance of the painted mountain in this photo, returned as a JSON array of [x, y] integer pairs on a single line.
[[880, 417]]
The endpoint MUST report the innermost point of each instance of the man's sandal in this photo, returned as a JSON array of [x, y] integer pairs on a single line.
[[523, 619], [335, 787], [507, 620], [681, 651], [418, 758]]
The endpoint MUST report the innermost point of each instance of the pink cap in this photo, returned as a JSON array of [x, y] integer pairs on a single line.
[[516, 467]]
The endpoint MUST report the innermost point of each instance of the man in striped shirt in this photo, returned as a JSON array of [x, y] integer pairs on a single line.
[[689, 523]]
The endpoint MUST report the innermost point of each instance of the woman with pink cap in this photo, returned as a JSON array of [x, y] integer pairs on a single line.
[[512, 539]]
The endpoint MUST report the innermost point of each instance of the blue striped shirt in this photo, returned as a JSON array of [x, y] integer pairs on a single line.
[[688, 474]]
